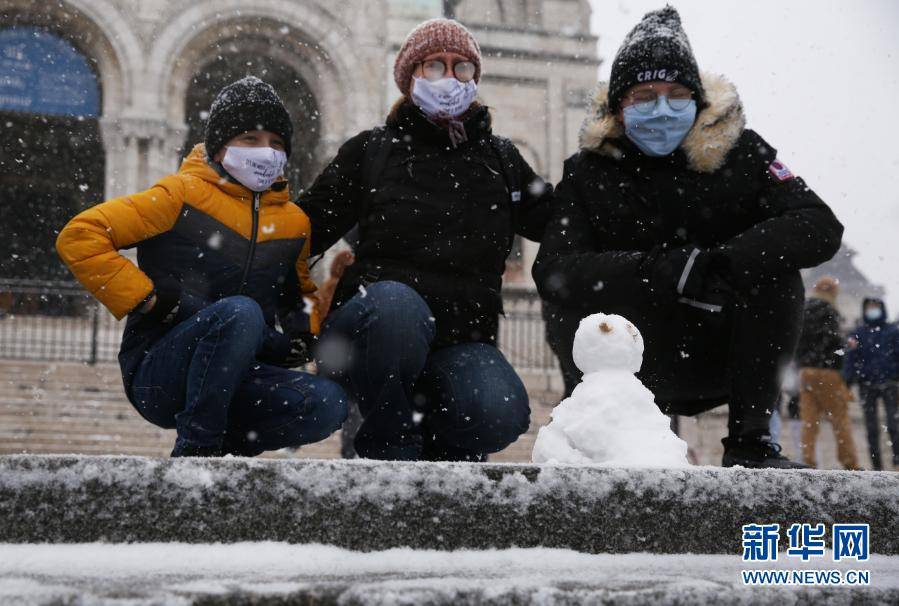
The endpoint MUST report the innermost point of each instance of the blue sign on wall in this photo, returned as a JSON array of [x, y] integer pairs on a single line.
[[41, 73]]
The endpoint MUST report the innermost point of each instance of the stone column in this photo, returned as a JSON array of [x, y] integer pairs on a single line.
[[138, 152], [114, 147]]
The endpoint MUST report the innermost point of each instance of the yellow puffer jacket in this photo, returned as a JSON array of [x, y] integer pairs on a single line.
[[194, 229]]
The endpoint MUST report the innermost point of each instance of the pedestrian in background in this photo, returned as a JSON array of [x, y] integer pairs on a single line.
[[872, 361], [822, 390]]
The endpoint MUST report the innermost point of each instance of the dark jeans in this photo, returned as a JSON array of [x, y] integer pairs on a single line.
[[470, 399], [561, 325], [695, 360], [203, 378], [870, 395]]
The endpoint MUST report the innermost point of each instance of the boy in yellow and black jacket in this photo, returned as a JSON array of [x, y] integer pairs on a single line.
[[222, 260]]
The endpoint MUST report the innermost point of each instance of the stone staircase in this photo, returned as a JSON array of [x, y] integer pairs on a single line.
[[68, 408], [72, 408]]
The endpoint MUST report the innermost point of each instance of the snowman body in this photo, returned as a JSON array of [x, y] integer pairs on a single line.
[[611, 418]]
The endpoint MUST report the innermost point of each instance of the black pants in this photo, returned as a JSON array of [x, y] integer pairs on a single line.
[[695, 360], [870, 395], [560, 325]]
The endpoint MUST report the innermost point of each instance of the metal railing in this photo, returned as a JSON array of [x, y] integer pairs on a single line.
[[61, 322], [522, 336], [55, 322]]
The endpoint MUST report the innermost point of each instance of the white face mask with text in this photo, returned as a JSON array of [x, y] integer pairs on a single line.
[[255, 167], [445, 98]]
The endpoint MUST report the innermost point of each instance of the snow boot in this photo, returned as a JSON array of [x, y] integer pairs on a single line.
[[756, 453]]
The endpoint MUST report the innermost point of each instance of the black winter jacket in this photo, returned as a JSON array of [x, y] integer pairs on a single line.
[[821, 343], [617, 208], [872, 356], [437, 218]]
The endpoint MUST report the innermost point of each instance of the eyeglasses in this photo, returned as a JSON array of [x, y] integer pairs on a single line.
[[646, 102], [435, 69]]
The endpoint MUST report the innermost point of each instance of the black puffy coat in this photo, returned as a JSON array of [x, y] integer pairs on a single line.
[[437, 218], [821, 344], [617, 207]]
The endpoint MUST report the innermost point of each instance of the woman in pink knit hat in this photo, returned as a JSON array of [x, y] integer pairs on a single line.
[[438, 200]]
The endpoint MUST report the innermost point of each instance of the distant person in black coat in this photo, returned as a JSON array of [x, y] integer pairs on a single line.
[[872, 361], [678, 217]]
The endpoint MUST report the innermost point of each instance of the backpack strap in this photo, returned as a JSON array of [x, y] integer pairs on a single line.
[[505, 151]]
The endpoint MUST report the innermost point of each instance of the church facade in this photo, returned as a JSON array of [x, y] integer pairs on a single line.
[[100, 98]]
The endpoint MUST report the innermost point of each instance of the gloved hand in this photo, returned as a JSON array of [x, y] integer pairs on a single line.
[[740, 274], [168, 302], [301, 350], [688, 275], [288, 352], [675, 272], [715, 296]]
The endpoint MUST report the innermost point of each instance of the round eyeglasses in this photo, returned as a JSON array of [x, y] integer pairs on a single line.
[[435, 69], [646, 102]]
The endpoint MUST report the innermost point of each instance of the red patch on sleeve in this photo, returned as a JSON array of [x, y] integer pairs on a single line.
[[780, 171]]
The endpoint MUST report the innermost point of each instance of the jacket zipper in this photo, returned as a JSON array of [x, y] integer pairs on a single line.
[[246, 268]]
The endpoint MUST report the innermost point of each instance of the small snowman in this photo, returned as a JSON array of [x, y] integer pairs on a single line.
[[611, 419]]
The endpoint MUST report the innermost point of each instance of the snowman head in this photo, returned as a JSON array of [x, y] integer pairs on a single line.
[[607, 343]]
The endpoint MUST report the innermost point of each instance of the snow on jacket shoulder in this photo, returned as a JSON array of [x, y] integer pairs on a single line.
[[718, 192]]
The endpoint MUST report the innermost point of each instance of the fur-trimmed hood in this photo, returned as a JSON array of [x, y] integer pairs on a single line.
[[717, 128]]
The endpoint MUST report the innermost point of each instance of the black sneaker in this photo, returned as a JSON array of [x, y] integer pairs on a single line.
[[755, 453]]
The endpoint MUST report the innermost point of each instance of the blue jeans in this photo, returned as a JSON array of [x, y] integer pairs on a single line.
[[378, 344], [202, 377]]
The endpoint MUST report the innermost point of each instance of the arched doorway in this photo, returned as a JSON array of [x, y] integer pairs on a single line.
[[237, 60], [51, 154]]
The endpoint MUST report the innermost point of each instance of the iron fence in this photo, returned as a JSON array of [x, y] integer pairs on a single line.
[[55, 321], [61, 322], [522, 337]]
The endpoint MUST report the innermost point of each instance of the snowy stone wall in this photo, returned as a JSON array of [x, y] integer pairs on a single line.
[[366, 505]]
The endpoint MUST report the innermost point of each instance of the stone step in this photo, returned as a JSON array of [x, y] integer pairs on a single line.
[[245, 574], [149, 448], [93, 409], [99, 432], [369, 505]]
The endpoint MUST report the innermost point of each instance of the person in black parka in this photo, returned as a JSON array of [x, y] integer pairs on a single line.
[[678, 217], [438, 199]]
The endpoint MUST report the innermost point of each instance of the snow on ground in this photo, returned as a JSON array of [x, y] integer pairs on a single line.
[[176, 572]]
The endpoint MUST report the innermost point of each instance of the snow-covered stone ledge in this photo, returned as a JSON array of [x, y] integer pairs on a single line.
[[367, 505]]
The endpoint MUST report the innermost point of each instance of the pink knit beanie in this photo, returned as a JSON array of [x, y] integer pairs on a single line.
[[434, 36]]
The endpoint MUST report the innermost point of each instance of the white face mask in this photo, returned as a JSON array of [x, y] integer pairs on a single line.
[[255, 167], [445, 98]]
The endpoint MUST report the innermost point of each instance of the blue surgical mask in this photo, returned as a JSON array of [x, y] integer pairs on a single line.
[[661, 131], [873, 314]]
